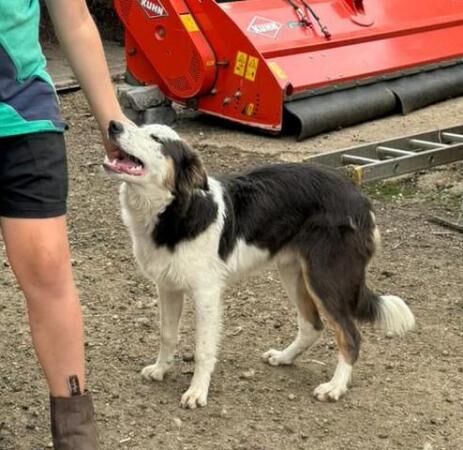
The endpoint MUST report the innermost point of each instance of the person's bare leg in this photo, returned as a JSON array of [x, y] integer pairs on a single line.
[[38, 251]]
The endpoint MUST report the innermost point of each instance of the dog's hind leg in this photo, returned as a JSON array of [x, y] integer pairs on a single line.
[[170, 306], [308, 319], [208, 318], [331, 297]]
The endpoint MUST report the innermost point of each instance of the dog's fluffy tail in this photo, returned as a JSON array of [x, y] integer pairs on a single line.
[[394, 315], [390, 312]]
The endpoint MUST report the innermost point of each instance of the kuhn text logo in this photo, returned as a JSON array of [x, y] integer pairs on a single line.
[[264, 27], [153, 8]]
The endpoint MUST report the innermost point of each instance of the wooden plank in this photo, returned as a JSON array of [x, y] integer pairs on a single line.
[[446, 223], [61, 72]]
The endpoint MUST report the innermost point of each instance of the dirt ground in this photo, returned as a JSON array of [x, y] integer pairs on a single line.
[[406, 393]]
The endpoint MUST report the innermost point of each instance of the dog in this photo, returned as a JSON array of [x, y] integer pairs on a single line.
[[193, 235]]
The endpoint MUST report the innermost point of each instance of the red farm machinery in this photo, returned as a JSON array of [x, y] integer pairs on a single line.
[[319, 64]]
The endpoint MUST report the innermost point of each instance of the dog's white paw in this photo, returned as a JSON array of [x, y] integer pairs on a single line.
[[155, 371], [277, 358], [329, 392], [194, 397]]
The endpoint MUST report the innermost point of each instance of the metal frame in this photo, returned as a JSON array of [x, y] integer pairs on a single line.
[[398, 156]]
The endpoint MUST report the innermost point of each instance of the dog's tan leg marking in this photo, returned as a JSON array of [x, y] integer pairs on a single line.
[[308, 319], [337, 386], [170, 307], [306, 304]]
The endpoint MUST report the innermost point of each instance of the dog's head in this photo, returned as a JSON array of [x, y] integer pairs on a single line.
[[154, 156]]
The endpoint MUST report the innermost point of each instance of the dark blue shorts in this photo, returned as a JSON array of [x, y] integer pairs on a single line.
[[33, 176]]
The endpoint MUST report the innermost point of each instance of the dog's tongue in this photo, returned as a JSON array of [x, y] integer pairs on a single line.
[[126, 165]]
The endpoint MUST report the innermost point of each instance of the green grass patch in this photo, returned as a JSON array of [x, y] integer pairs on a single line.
[[407, 189], [391, 190]]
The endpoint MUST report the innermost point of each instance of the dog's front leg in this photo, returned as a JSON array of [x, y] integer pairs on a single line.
[[208, 312], [170, 306]]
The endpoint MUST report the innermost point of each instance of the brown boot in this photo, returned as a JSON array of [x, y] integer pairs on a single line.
[[72, 423]]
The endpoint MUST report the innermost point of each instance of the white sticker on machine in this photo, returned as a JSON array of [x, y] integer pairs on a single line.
[[264, 27], [153, 8]]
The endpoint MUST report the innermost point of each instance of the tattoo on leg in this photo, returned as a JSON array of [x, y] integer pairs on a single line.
[[74, 385]]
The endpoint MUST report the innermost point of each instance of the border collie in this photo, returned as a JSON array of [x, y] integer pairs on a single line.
[[193, 234]]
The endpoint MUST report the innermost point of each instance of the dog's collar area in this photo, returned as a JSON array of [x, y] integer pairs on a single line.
[[125, 163]]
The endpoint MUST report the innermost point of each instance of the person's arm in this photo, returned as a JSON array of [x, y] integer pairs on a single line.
[[81, 43]]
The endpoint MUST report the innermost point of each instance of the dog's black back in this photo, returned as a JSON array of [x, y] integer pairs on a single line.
[[271, 206]]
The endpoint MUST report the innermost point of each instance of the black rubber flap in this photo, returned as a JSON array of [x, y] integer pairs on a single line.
[[340, 109], [418, 91]]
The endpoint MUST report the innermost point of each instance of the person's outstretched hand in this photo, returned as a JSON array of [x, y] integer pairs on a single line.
[[112, 150]]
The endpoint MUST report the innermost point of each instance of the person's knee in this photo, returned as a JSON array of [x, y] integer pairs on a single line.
[[46, 269]]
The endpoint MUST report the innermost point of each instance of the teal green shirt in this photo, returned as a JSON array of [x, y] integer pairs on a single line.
[[28, 100]]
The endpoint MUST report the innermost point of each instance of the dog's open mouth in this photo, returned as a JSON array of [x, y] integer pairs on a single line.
[[125, 163]]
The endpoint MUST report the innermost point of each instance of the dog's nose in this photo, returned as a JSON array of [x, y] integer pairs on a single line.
[[115, 127]]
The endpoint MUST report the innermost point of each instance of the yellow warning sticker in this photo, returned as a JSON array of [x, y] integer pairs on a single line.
[[189, 23], [277, 70], [249, 109], [240, 63], [251, 69]]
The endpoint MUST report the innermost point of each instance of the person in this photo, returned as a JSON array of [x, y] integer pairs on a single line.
[[33, 189]]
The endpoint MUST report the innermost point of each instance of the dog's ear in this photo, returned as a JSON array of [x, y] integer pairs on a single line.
[[189, 172]]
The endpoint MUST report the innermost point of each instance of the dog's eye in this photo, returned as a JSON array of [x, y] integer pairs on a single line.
[[156, 138]]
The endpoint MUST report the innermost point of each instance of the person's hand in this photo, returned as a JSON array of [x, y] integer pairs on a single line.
[[112, 150]]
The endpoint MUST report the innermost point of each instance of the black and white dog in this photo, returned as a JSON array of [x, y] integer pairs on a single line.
[[193, 234]]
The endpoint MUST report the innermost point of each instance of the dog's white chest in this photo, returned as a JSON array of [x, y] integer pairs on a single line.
[[179, 267], [154, 262]]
